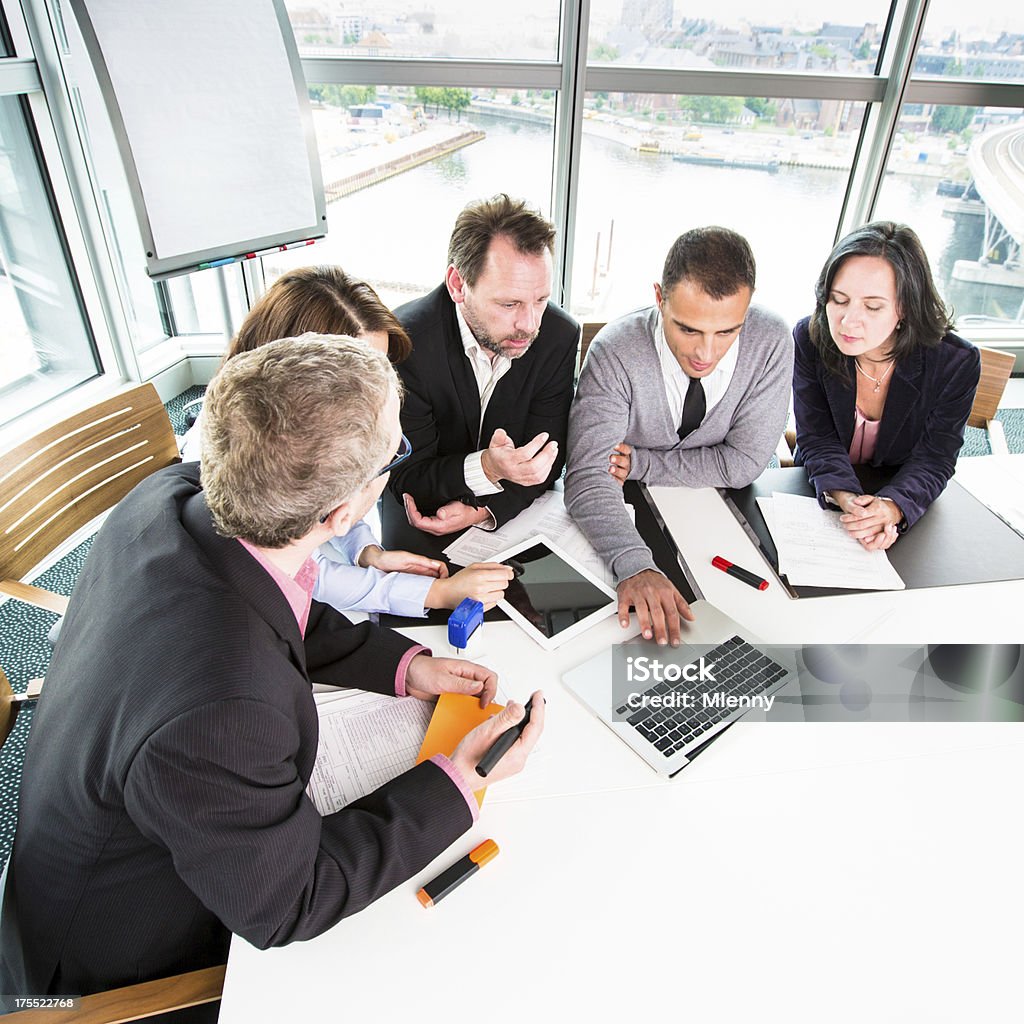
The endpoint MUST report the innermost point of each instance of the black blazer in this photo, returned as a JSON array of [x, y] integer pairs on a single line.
[[163, 803], [441, 413], [922, 430]]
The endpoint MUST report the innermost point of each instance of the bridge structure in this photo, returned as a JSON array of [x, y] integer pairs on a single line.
[[996, 163]]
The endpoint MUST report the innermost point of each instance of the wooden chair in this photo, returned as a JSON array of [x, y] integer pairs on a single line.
[[786, 448], [54, 483], [50, 487], [996, 368], [10, 704], [589, 330], [134, 1002]]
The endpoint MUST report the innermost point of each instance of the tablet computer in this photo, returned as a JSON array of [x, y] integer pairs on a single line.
[[552, 597]]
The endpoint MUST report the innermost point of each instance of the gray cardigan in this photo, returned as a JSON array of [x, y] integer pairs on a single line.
[[621, 397]]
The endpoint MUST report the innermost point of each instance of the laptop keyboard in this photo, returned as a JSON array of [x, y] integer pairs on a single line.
[[740, 670]]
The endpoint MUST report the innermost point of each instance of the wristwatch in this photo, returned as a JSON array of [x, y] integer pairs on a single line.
[[902, 526]]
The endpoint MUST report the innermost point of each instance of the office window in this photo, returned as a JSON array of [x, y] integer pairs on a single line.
[[45, 344], [152, 312], [7, 47], [398, 165], [820, 38], [527, 30], [952, 179], [653, 166], [980, 40]]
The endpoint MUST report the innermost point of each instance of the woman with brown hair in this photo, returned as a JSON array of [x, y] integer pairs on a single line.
[[880, 379], [355, 571]]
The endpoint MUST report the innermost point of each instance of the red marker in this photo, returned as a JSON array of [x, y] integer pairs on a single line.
[[741, 574]]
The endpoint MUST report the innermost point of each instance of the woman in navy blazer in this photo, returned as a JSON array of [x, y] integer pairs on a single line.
[[880, 378]]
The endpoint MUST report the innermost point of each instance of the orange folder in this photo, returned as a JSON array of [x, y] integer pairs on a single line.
[[454, 715]]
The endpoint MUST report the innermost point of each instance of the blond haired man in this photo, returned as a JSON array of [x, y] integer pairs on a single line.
[[164, 799]]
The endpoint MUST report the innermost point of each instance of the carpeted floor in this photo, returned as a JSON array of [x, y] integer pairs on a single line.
[[25, 652]]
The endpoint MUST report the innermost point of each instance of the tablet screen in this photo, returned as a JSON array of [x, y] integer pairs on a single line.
[[549, 593]]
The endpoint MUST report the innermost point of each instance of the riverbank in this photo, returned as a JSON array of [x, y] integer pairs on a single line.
[[355, 155]]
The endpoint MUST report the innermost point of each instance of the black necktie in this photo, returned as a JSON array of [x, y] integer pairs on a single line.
[[694, 407]]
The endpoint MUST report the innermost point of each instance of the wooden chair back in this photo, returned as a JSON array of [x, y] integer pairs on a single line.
[[589, 330], [54, 483], [995, 372], [9, 708], [135, 1002]]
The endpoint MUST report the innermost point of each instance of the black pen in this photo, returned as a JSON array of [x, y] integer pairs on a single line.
[[501, 746]]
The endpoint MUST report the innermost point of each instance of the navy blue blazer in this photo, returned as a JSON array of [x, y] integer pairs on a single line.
[[929, 400]]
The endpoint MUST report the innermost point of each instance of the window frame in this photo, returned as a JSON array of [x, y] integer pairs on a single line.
[[35, 71]]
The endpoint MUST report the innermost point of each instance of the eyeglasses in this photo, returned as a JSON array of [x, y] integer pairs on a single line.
[[404, 451]]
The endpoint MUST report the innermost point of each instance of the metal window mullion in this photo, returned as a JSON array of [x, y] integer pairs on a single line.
[[881, 122], [19, 75], [118, 348], [723, 82], [959, 92], [569, 137], [478, 74]]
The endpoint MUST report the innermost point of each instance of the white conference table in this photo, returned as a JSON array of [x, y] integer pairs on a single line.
[[793, 872]]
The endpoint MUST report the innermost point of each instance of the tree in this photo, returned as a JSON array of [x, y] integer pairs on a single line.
[[347, 95], [764, 108], [450, 99], [951, 119], [602, 53], [430, 95], [456, 99], [715, 109]]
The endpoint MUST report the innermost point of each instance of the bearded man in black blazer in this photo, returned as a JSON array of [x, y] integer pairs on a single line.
[[163, 803], [490, 380]]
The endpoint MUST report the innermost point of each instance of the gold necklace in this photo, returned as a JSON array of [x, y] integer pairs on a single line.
[[877, 381]]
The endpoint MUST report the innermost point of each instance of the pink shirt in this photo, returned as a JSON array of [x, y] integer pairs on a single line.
[[865, 438], [298, 592]]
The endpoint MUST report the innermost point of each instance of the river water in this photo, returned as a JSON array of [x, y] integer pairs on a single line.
[[395, 233]]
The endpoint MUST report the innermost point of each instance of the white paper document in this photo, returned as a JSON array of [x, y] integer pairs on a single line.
[[365, 740], [997, 482], [816, 551], [547, 515]]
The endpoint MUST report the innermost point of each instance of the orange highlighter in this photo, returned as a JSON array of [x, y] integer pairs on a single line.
[[436, 890]]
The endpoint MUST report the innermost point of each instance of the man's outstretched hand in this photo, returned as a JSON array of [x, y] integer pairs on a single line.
[[450, 518], [529, 465]]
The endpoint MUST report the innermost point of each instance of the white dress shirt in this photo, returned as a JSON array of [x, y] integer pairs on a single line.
[[676, 381], [487, 372]]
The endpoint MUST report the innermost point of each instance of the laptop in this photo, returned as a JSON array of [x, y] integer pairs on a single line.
[[744, 675]]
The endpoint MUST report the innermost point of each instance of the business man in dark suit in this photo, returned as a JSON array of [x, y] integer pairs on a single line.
[[163, 803], [490, 380]]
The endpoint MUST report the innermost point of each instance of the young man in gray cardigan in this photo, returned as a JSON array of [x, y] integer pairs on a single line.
[[691, 392]]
